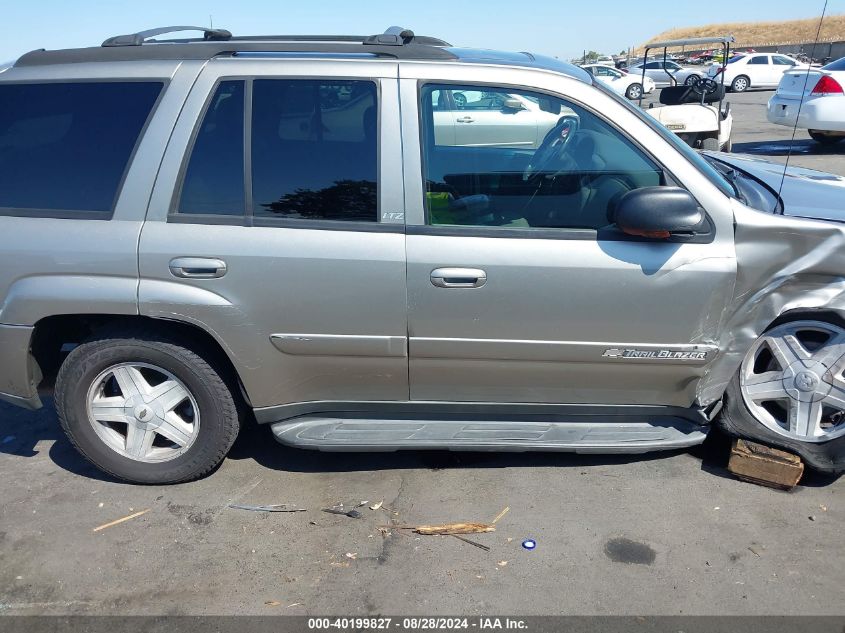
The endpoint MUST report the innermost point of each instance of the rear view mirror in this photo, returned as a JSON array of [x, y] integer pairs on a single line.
[[513, 104], [658, 212]]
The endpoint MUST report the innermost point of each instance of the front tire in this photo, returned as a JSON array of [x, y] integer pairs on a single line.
[[740, 84], [691, 80], [789, 392], [145, 409], [710, 143]]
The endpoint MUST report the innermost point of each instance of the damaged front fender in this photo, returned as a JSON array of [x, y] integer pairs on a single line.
[[784, 265]]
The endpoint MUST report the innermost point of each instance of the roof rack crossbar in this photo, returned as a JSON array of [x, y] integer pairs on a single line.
[[137, 39]]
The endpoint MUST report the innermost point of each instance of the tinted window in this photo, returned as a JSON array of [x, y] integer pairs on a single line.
[[214, 180], [66, 146], [654, 65], [551, 164], [782, 61], [736, 58], [759, 59], [315, 149]]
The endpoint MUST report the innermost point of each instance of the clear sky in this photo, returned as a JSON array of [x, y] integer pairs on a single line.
[[560, 28]]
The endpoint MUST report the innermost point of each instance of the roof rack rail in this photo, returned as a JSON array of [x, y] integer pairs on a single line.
[[137, 39], [399, 36], [393, 36]]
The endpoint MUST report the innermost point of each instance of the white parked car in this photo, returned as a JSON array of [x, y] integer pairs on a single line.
[[628, 85], [489, 119], [754, 70], [822, 112], [656, 70]]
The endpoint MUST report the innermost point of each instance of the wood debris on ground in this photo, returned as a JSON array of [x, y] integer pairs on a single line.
[[134, 515], [764, 465], [501, 514], [453, 528]]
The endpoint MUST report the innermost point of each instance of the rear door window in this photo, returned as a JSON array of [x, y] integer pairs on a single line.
[[759, 60], [315, 149], [214, 179], [65, 147]]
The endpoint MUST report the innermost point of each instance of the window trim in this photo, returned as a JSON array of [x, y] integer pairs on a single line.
[[179, 185], [108, 215], [247, 218], [562, 233]]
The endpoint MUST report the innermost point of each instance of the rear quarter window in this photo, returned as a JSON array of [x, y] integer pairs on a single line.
[[839, 64], [65, 147]]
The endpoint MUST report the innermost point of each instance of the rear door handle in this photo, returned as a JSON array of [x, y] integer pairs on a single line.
[[197, 268], [458, 277]]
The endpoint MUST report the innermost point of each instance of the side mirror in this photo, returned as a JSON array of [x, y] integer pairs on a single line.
[[513, 104], [658, 212]]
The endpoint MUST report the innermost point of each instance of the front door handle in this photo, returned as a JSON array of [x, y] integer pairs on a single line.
[[465, 119], [458, 277], [197, 268]]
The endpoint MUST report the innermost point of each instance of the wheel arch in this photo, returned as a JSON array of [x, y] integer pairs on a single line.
[[54, 336]]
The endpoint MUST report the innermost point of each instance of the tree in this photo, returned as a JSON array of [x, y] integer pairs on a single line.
[[344, 200]]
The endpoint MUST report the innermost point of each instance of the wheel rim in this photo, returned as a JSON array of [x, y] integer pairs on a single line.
[[691, 80], [792, 381], [740, 85], [143, 412], [635, 91]]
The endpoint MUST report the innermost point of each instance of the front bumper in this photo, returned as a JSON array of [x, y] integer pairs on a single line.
[[817, 113], [17, 367]]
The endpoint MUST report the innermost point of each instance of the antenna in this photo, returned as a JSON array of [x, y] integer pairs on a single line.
[[801, 103]]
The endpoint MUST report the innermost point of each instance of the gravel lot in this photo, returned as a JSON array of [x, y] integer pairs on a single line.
[[661, 534]]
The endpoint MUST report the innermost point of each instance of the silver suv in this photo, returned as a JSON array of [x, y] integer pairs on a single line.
[[195, 233]]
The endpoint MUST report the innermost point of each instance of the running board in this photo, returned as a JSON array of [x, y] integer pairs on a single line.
[[584, 434]]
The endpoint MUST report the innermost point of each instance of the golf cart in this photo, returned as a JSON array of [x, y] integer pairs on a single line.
[[695, 112]]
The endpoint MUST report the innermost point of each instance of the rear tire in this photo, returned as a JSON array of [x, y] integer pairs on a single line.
[[824, 138], [691, 80], [740, 84], [203, 446], [634, 92]]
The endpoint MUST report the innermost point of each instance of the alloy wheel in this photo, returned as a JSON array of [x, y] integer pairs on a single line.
[[792, 380], [143, 412]]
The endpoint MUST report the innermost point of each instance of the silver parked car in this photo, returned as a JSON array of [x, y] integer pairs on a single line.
[[664, 73], [198, 234]]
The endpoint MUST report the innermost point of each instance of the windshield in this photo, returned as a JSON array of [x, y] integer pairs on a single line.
[[693, 156]]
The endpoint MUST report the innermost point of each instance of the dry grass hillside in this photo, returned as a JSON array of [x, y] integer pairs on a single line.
[[764, 33]]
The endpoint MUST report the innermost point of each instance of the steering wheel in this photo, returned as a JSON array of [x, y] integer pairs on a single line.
[[555, 142], [704, 86]]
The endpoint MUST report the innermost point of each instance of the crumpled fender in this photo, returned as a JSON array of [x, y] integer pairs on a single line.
[[784, 264]]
